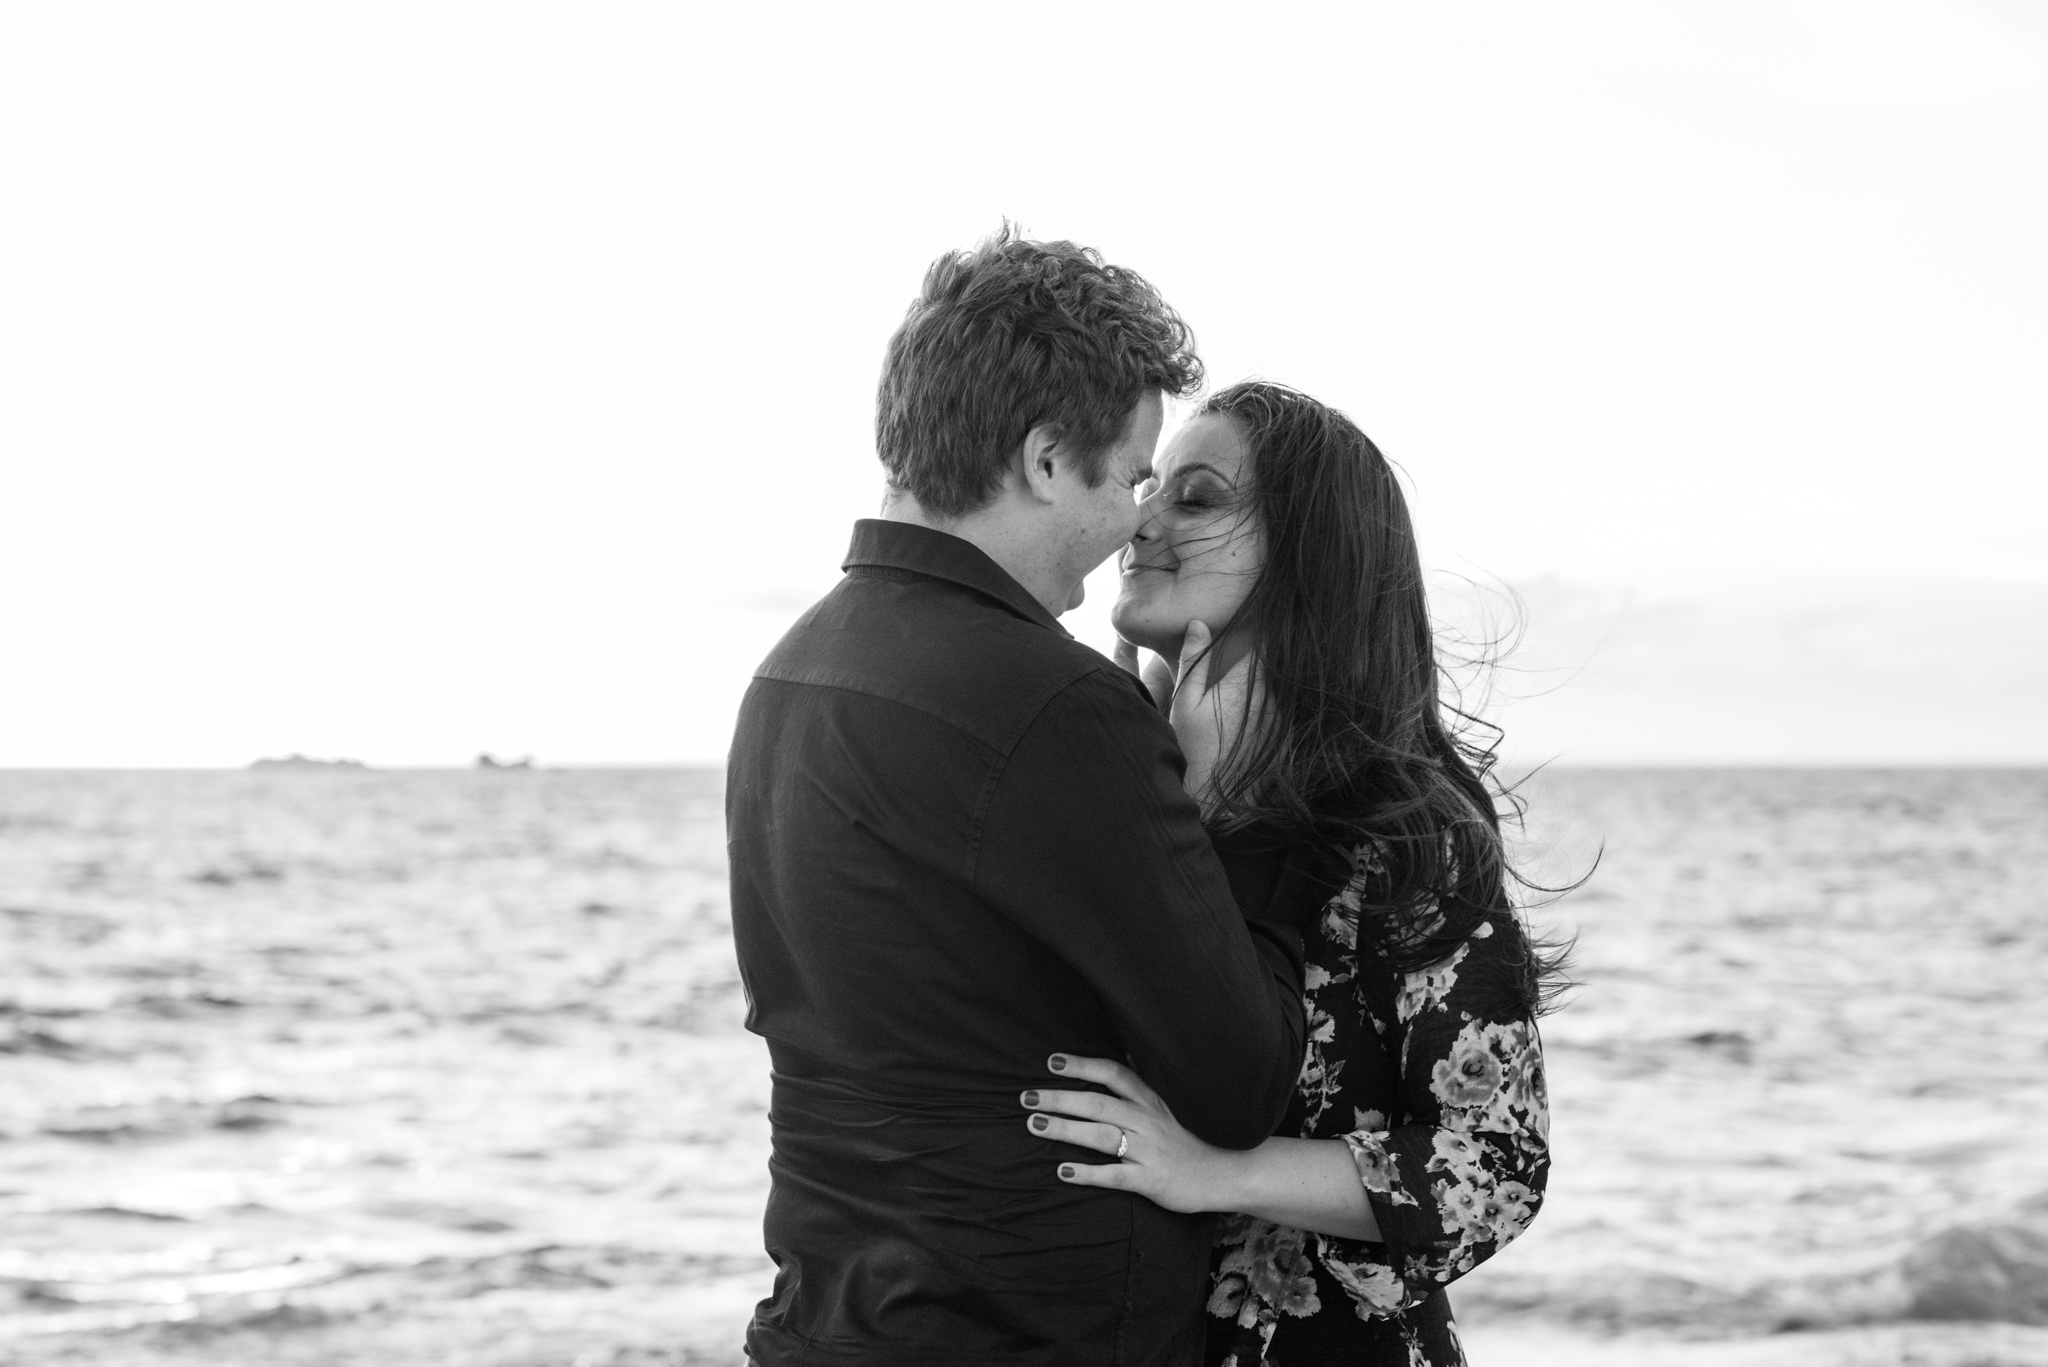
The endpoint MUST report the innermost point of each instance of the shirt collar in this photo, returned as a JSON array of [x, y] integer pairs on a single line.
[[941, 555]]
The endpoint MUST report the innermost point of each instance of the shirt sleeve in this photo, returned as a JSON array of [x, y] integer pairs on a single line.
[[1460, 1172], [1090, 845]]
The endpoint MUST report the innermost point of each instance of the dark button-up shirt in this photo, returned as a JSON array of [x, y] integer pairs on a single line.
[[959, 844]]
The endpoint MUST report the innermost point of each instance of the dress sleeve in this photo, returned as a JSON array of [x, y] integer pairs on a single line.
[[1459, 1170]]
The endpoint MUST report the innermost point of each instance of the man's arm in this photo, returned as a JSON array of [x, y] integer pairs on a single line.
[[1091, 846]]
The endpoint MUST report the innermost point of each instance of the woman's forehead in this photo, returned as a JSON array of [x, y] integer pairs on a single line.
[[1212, 440]]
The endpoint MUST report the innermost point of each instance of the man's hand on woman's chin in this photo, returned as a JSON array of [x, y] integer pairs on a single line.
[[1207, 713], [1155, 671]]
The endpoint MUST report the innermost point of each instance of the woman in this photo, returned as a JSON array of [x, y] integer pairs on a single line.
[[1416, 1146]]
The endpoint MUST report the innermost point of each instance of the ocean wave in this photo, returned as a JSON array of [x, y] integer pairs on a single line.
[[78, 928], [26, 1039], [211, 1304], [126, 1213], [1989, 1271], [441, 1215], [251, 871], [282, 1297], [164, 1120], [181, 1005], [1992, 1270]]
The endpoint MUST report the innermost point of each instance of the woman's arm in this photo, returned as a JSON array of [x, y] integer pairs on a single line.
[[1412, 1206], [1457, 1171], [1308, 1184]]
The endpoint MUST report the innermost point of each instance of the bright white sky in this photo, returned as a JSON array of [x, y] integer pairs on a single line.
[[407, 380]]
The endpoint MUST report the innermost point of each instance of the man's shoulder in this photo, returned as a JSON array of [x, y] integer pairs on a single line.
[[932, 649]]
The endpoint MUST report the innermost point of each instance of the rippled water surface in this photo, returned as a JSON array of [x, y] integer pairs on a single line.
[[1809, 1061], [435, 1067]]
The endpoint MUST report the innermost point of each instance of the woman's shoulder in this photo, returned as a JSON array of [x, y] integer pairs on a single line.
[[1421, 943], [1280, 870]]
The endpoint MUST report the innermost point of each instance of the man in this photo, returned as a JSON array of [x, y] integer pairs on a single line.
[[959, 844]]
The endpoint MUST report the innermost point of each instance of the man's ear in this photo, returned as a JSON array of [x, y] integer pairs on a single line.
[[1044, 460]]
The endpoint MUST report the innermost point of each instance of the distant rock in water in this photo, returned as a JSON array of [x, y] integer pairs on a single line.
[[487, 761], [298, 761], [1990, 1271]]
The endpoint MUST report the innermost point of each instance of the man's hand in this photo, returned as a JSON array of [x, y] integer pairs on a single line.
[[1155, 673], [1207, 717]]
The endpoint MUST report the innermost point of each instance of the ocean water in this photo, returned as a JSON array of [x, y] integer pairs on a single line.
[[446, 1067]]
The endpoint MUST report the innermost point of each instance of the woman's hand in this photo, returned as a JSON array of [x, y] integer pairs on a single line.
[[1308, 1184], [1161, 1161]]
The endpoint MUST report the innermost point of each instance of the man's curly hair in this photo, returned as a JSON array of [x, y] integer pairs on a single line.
[[1008, 336]]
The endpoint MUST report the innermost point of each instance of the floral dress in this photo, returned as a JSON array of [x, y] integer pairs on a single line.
[[1434, 1079]]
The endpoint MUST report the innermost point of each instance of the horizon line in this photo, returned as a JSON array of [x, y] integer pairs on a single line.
[[677, 765]]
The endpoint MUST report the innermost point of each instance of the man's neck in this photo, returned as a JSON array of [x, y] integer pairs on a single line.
[[999, 533]]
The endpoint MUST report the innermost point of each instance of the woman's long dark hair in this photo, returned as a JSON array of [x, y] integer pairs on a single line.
[[1352, 746]]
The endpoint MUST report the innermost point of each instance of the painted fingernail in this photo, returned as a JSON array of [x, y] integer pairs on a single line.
[[1039, 1122], [1030, 1098], [1058, 1063], [1067, 1170]]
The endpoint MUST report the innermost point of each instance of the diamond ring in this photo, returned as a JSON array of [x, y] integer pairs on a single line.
[[1123, 1141]]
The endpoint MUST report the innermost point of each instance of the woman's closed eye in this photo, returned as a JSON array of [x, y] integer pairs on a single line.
[[1198, 496]]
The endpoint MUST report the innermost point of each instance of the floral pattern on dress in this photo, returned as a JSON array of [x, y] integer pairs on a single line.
[[1434, 1080]]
